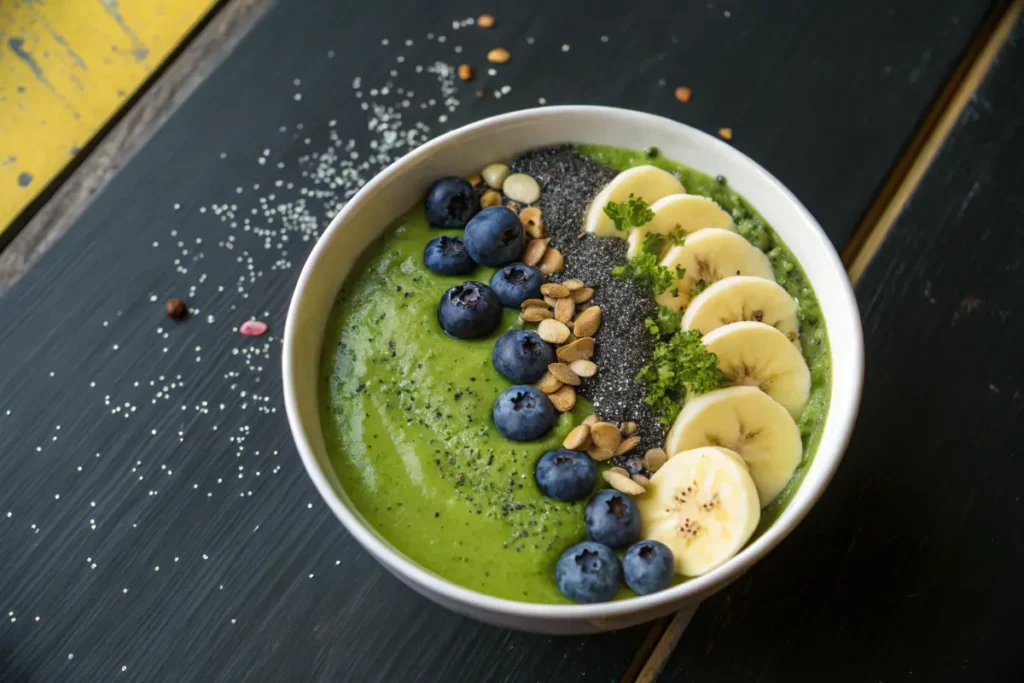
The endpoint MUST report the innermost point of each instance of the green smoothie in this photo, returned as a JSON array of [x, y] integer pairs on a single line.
[[406, 412]]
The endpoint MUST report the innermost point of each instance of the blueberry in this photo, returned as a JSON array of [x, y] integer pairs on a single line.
[[469, 310], [494, 236], [612, 518], [588, 572], [566, 475], [517, 282], [649, 567], [447, 256], [522, 356], [523, 413], [451, 202]]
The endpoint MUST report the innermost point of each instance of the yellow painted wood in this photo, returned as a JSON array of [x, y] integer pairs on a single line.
[[66, 66]]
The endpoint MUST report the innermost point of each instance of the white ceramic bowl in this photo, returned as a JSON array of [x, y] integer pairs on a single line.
[[469, 149]]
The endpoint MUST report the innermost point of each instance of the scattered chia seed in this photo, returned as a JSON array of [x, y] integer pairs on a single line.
[[569, 181]]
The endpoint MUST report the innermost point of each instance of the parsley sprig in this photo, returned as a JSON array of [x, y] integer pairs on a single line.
[[631, 213], [680, 363]]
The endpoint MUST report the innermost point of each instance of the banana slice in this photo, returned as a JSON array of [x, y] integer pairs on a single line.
[[758, 355], [645, 182], [711, 255], [748, 421], [742, 298], [687, 212], [703, 505]]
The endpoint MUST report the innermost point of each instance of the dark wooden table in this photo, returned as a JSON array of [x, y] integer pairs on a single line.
[[156, 525]]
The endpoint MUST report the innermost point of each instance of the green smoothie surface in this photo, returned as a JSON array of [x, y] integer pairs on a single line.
[[406, 411]]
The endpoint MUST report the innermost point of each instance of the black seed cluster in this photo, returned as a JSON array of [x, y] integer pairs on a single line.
[[569, 181]]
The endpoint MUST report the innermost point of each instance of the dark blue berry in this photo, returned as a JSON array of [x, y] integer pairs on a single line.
[[522, 356], [649, 567], [523, 413], [494, 236], [588, 572], [451, 202], [566, 475], [469, 310], [447, 256], [517, 282], [612, 518]]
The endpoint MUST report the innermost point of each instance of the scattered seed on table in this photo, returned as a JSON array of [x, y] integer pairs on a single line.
[[485, 21], [176, 309], [253, 328], [683, 94], [498, 55]]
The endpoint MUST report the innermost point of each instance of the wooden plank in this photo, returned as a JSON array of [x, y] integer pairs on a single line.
[[256, 580], [99, 163], [66, 68], [908, 567]]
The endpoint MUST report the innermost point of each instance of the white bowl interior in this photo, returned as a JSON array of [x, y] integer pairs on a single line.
[[368, 215]]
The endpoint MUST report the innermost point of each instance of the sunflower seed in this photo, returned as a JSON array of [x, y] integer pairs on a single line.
[[563, 374]]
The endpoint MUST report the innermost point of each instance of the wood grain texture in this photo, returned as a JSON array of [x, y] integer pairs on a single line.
[[66, 68], [104, 156], [908, 568], [195, 473]]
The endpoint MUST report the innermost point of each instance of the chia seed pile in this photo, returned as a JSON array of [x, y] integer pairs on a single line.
[[569, 181]]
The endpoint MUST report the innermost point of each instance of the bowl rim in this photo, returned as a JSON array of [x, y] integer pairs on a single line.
[[731, 569]]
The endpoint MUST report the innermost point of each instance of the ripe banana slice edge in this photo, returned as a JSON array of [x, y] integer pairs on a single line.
[[711, 255], [739, 298], [758, 355], [703, 505], [645, 182], [686, 212], [748, 421]]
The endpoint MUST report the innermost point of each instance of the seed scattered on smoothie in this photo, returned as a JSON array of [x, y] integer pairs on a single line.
[[176, 309], [588, 322], [599, 454], [536, 314], [581, 349], [528, 303], [619, 479], [465, 72], [591, 420], [474, 179], [564, 374], [564, 399], [554, 290], [578, 439], [605, 435], [498, 55], [490, 198], [522, 188], [627, 445], [583, 294], [553, 331], [628, 428], [726, 133], [583, 368], [533, 221], [548, 383], [485, 21], [641, 480], [683, 94], [534, 252], [564, 310], [495, 175], [655, 458], [553, 262]]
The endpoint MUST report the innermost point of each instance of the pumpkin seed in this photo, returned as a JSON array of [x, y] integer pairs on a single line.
[[563, 374], [588, 322], [552, 331], [578, 439]]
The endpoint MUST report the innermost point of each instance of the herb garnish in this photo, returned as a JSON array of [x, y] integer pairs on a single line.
[[631, 213], [680, 363], [645, 270]]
